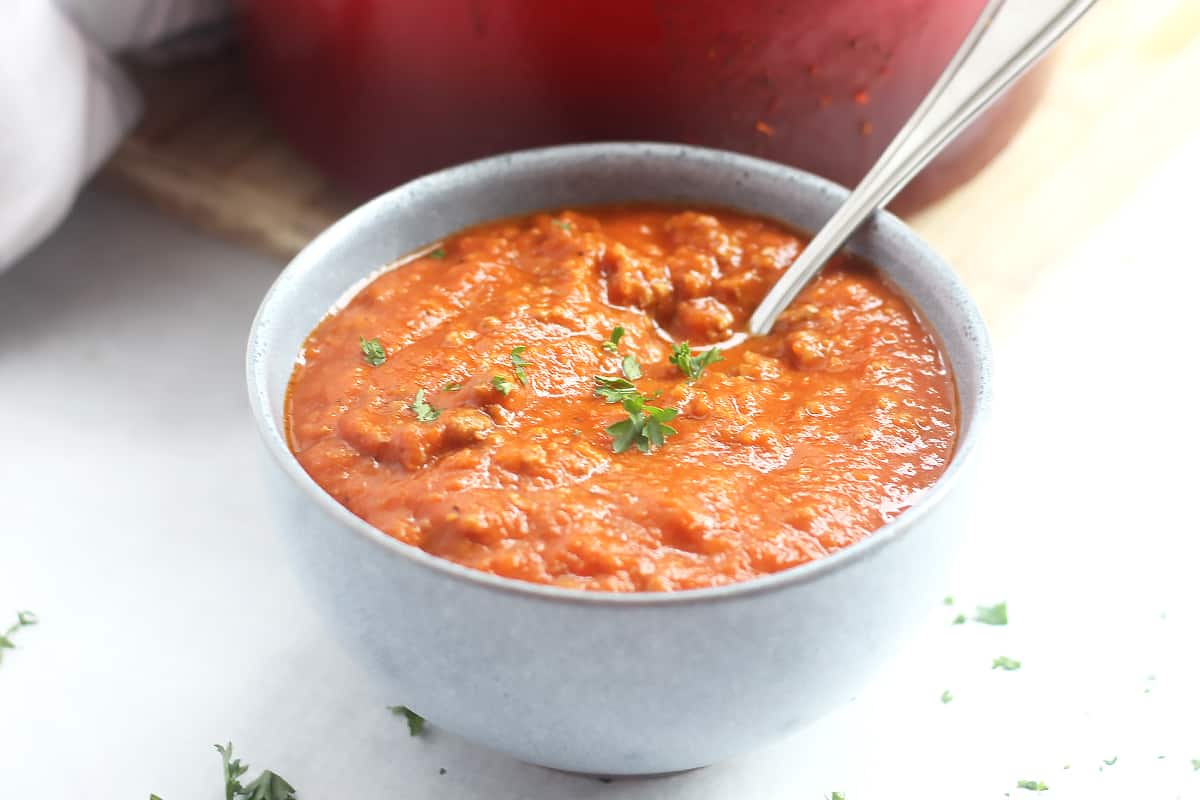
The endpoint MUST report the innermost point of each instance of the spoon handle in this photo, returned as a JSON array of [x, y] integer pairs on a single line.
[[954, 102]]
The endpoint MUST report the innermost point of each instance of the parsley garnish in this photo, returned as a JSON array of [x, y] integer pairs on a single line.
[[631, 368], [1005, 663], [692, 366], [949, 601], [519, 365], [1033, 786], [959, 619], [614, 339], [452, 386], [1110, 762], [838, 796], [992, 615], [267, 786], [502, 385], [372, 350], [24, 619], [1196, 765], [437, 253], [563, 224], [416, 723], [946, 697], [646, 427], [424, 411], [614, 390]]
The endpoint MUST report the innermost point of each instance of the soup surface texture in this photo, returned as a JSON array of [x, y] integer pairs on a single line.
[[516, 400]]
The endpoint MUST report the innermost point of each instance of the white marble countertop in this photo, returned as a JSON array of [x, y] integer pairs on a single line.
[[132, 522]]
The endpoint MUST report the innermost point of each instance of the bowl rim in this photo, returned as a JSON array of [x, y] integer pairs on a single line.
[[270, 427]]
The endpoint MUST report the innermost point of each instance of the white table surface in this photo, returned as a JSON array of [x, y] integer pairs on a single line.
[[132, 522]]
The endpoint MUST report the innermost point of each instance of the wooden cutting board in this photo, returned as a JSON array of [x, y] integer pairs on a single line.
[[1122, 98]]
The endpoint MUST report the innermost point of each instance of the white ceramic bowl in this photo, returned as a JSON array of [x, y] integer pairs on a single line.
[[613, 684]]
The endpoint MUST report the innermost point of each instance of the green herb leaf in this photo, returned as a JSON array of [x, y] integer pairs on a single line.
[[268, 786], [1033, 786], [1005, 663], [946, 697], [372, 350], [562, 224], [437, 252], [26, 618], [646, 427], [424, 411], [452, 386], [1196, 765], [1110, 762], [519, 364], [837, 796], [614, 339], [232, 768], [502, 385], [949, 601], [614, 390], [6, 642], [631, 368], [154, 796], [416, 723], [692, 366], [959, 620], [992, 615]]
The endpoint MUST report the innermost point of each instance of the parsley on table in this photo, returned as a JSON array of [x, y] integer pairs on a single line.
[[1005, 663], [267, 786], [452, 386], [946, 697], [502, 385], [1110, 761], [437, 252], [948, 601], [424, 411], [838, 796], [614, 390], [1196, 765], [692, 366], [372, 350], [614, 339], [959, 619], [416, 723], [992, 615], [24, 620], [519, 364], [630, 367], [646, 427], [1033, 786]]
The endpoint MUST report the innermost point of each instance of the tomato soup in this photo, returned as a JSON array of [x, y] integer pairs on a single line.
[[567, 399]]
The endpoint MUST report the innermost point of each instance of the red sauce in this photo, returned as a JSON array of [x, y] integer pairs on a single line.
[[794, 446]]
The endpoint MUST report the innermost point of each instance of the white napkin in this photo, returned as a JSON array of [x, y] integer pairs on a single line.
[[64, 104]]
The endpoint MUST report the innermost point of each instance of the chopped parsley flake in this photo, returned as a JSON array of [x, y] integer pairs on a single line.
[[1110, 761], [614, 339], [372, 350], [631, 368], [452, 386], [1033, 786], [563, 224], [267, 786], [959, 620], [502, 385], [519, 364], [946, 697], [416, 723], [949, 601], [1196, 765], [646, 427], [692, 366], [424, 411], [1005, 663], [992, 615], [24, 620], [614, 390], [838, 796], [437, 252]]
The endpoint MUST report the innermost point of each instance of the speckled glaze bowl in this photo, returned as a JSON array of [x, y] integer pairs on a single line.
[[612, 684]]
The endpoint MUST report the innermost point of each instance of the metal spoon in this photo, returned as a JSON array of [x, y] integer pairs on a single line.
[[958, 97]]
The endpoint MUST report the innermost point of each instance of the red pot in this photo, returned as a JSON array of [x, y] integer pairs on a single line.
[[378, 91]]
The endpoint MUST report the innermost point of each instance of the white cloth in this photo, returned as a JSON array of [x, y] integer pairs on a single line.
[[64, 104]]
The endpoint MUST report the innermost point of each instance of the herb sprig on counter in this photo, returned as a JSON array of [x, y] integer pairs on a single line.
[[1033, 786], [693, 366], [424, 411], [992, 615], [267, 786], [372, 350], [416, 723], [24, 620], [1005, 663]]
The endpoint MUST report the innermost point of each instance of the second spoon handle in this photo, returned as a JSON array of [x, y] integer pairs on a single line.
[[939, 123]]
